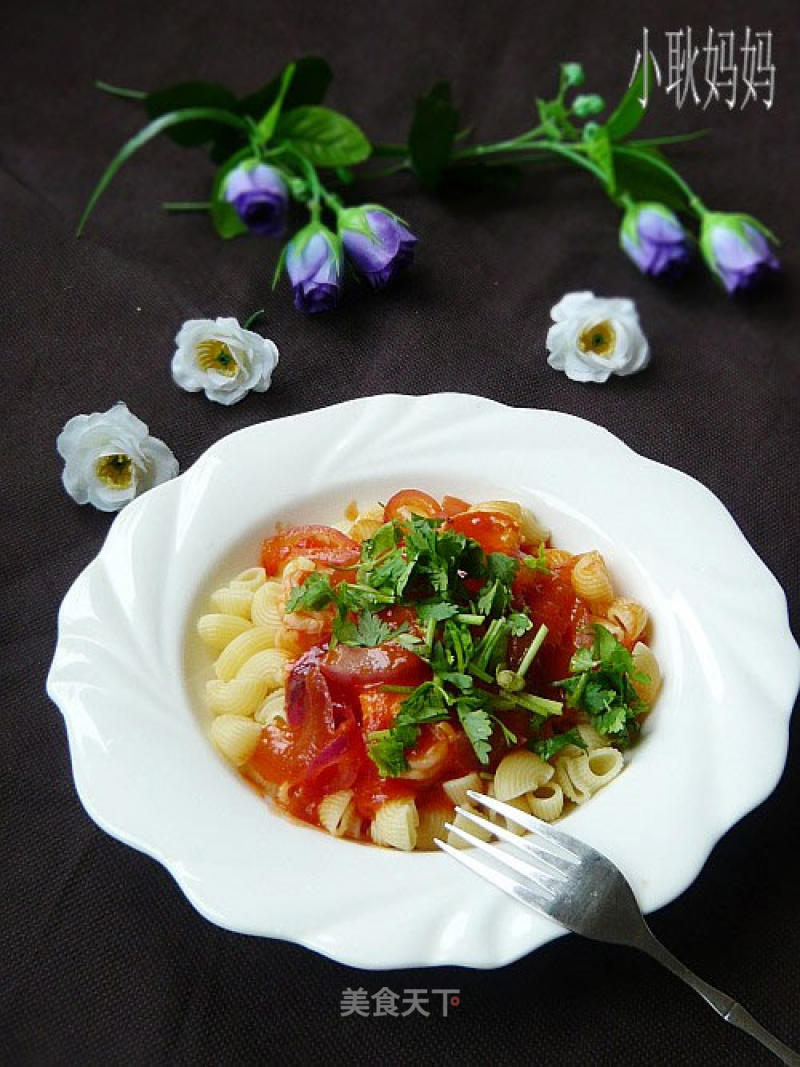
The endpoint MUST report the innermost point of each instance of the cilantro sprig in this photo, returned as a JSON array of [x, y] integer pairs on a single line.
[[461, 634], [601, 685]]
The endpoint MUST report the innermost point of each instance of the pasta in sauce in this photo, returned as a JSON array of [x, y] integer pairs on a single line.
[[367, 679]]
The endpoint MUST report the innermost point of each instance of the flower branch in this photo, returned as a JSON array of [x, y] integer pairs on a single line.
[[280, 144]]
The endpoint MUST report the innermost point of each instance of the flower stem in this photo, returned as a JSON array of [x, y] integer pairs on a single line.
[[252, 318], [694, 201], [186, 205], [117, 90]]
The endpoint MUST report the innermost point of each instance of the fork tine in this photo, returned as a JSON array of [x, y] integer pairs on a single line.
[[508, 859], [525, 894], [530, 822], [524, 844]]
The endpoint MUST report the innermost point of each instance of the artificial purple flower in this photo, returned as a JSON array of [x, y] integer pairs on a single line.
[[314, 266], [736, 249], [260, 197], [376, 242], [655, 240]]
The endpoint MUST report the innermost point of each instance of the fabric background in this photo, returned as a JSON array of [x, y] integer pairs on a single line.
[[103, 960]]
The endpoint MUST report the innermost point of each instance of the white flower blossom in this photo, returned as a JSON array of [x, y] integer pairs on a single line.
[[594, 337], [109, 458], [223, 359]]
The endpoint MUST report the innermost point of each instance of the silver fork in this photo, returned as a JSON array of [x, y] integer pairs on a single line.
[[582, 890]]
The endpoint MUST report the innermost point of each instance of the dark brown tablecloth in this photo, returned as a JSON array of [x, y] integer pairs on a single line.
[[103, 960]]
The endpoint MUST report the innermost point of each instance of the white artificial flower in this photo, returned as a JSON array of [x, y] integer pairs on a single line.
[[594, 337], [223, 359], [110, 458]]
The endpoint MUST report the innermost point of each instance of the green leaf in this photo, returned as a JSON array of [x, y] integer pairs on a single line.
[[477, 726], [629, 112], [327, 138], [644, 180], [270, 120], [433, 131], [151, 130], [547, 748], [314, 594], [599, 150], [312, 76], [191, 95]]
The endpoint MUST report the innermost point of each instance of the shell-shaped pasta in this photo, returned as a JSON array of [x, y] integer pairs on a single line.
[[630, 615], [523, 805], [533, 531], [546, 802], [613, 628], [250, 579], [591, 580], [591, 737], [456, 788], [240, 696], [504, 507], [236, 737], [520, 772], [367, 523], [273, 708], [395, 824], [557, 557], [591, 771], [267, 606], [217, 630], [332, 810], [646, 662], [462, 823], [563, 779], [352, 825], [232, 601], [295, 569], [234, 656], [268, 665], [432, 818]]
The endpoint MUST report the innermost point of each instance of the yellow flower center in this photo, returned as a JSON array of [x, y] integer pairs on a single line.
[[115, 471], [598, 338], [215, 355]]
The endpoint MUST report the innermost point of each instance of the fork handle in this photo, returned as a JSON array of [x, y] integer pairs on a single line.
[[727, 1007]]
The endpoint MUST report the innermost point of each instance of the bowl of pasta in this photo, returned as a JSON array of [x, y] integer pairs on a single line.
[[286, 668]]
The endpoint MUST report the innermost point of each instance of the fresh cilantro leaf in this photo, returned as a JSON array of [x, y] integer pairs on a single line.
[[583, 660], [386, 748], [519, 623], [477, 724], [612, 721], [548, 747], [438, 611], [314, 594], [509, 736], [539, 561], [382, 541], [367, 631], [388, 752], [502, 567], [456, 678]]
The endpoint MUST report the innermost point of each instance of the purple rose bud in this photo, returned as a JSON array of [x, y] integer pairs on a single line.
[[314, 266], [260, 197], [736, 249], [376, 242], [655, 240]]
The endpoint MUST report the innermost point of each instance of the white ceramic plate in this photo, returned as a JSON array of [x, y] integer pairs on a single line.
[[127, 673]]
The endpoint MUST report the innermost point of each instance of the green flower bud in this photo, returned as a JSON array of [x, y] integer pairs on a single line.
[[572, 73], [584, 106]]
